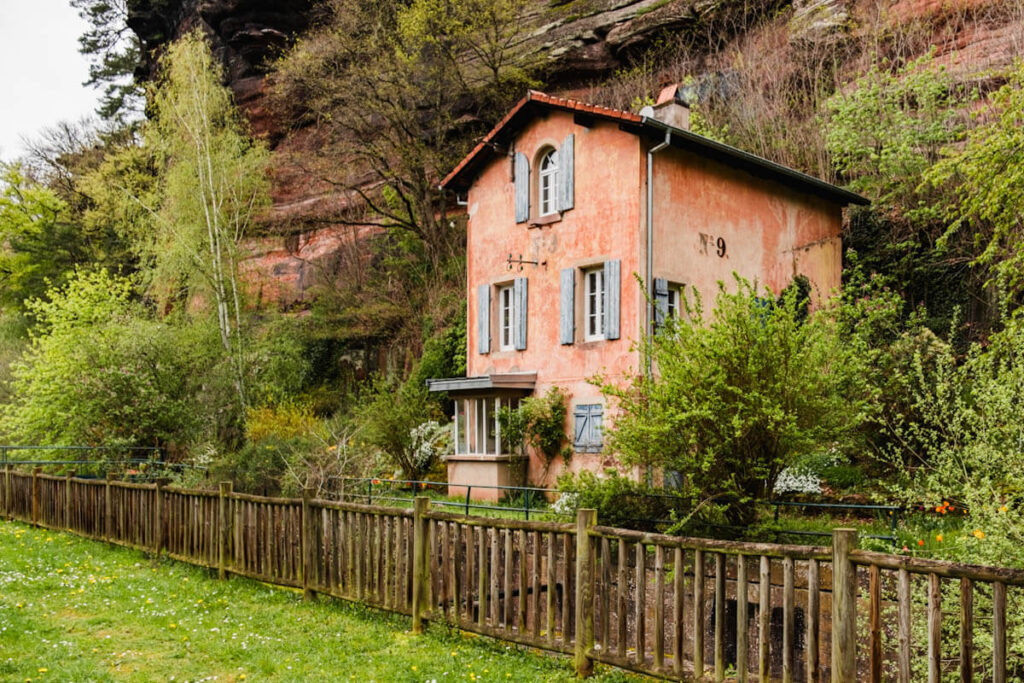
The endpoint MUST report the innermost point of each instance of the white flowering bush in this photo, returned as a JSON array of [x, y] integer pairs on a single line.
[[430, 440], [566, 504], [797, 480]]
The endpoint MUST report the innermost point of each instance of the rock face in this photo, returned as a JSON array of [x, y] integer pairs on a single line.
[[581, 41]]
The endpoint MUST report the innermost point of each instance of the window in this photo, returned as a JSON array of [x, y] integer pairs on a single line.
[[593, 304], [506, 318], [587, 432], [548, 187], [672, 304], [477, 429]]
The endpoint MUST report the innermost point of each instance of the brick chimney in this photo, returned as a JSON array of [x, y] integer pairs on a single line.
[[671, 108]]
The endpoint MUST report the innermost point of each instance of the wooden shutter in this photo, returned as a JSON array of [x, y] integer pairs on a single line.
[[660, 302], [522, 186], [594, 428], [611, 299], [483, 318], [519, 309], [566, 174], [581, 431], [567, 307]]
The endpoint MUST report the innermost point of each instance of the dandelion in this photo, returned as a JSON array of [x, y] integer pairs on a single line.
[[43, 669], [1002, 508]]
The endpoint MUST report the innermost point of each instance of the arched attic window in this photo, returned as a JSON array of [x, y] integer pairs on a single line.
[[547, 188]]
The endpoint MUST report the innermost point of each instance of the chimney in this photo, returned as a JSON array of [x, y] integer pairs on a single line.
[[671, 108]]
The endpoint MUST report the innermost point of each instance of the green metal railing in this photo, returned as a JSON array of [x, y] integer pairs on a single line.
[[96, 460]]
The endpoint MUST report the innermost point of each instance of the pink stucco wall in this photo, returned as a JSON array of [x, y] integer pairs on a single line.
[[771, 232]]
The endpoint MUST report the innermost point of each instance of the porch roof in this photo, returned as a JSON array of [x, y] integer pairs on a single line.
[[484, 384]]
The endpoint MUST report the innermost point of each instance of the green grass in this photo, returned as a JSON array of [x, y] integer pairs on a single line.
[[78, 610]]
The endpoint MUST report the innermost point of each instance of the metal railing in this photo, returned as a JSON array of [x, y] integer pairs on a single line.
[[96, 461], [894, 511], [370, 489]]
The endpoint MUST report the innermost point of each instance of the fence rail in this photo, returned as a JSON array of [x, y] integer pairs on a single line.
[[678, 608]]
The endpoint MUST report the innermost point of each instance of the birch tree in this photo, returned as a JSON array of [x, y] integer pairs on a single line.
[[214, 181]]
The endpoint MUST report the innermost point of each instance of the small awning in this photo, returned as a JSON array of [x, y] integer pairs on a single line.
[[485, 384]]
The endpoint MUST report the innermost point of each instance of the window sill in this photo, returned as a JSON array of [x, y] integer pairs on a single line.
[[545, 220]]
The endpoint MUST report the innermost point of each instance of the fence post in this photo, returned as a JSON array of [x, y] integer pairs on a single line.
[[35, 495], [108, 512], [585, 519], [68, 476], [224, 528], [158, 516], [420, 561], [307, 544], [844, 606], [7, 489]]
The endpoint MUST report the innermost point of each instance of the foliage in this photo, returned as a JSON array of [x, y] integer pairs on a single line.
[[620, 500], [114, 53], [40, 244], [538, 423], [213, 182], [964, 444], [989, 180], [389, 414], [98, 370], [886, 130], [737, 398]]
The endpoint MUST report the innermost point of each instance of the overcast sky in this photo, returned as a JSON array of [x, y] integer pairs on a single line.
[[41, 72]]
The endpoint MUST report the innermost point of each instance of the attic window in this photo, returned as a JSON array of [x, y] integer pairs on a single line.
[[548, 189]]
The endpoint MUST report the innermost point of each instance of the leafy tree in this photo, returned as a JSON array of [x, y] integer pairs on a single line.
[[99, 370], [39, 241], [890, 127], [736, 398], [988, 173], [389, 415], [114, 52], [211, 184]]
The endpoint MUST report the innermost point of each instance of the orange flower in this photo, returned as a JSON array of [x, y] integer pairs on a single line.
[[978, 533], [920, 541], [939, 538]]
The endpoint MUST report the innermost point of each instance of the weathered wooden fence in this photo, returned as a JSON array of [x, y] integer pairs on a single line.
[[678, 608]]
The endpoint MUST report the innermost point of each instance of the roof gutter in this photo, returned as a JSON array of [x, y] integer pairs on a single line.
[[649, 279]]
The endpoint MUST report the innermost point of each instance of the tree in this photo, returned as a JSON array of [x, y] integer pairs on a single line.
[[114, 52], [99, 370], [39, 242], [988, 174], [737, 398], [211, 184]]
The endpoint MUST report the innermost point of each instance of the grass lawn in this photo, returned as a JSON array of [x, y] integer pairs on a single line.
[[78, 610]]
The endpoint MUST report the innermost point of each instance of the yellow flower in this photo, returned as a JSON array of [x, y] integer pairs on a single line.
[[43, 669], [241, 677], [173, 626], [1002, 508], [978, 533], [939, 538]]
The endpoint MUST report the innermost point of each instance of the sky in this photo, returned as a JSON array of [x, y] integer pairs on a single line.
[[41, 72]]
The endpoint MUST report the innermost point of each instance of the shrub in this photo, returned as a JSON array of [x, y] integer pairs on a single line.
[[538, 422], [737, 398], [388, 416], [619, 500]]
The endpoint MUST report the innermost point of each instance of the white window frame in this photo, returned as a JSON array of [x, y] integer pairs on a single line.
[[547, 183], [672, 305], [506, 318], [594, 296]]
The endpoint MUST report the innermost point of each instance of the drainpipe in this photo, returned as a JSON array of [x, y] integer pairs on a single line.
[[649, 279]]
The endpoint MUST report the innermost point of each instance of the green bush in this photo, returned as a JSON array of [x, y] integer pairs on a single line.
[[619, 500], [735, 399]]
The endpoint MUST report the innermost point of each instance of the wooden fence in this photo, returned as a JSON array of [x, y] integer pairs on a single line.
[[677, 608]]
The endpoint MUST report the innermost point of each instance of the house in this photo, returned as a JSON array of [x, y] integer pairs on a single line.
[[571, 207]]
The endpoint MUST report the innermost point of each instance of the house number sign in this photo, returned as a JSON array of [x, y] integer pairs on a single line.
[[710, 243]]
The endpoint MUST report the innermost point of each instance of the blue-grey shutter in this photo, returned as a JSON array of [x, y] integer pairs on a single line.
[[594, 427], [522, 182], [566, 174], [660, 301], [611, 299], [581, 417], [567, 308], [519, 309], [483, 318]]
